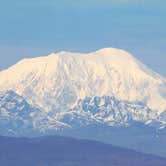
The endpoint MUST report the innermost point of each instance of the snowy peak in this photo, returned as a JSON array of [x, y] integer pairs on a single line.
[[115, 72], [110, 57], [114, 53], [55, 84]]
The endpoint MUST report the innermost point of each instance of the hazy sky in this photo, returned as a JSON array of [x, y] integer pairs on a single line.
[[37, 27]]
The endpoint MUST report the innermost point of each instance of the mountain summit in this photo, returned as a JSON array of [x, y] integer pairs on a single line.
[[71, 90]]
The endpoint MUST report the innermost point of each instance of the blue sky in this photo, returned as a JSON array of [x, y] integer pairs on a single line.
[[32, 28]]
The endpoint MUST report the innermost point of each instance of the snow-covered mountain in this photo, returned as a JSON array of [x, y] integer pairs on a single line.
[[68, 90], [19, 118]]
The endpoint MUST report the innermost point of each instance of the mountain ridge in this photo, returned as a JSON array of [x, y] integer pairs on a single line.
[[67, 151]]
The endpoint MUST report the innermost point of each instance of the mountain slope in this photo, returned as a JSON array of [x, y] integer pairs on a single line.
[[63, 151], [56, 84], [66, 93], [19, 118], [59, 80]]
